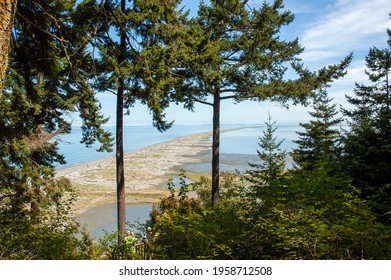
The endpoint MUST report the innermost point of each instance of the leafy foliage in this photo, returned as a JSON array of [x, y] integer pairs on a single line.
[[308, 215], [188, 228], [42, 225], [313, 215]]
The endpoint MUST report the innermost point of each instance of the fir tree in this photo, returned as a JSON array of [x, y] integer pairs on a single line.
[[318, 144], [367, 143], [236, 53], [272, 158], [47, 79], [136, 54], [44, 82]]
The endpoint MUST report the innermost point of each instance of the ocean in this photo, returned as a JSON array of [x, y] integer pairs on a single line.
[[237, 149], [240, 142]]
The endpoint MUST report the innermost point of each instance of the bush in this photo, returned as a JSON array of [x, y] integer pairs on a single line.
[[302, 215], [312, 215]]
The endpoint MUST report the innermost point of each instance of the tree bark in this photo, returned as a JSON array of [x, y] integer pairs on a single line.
[[120, 173], [7, 14], [216, 149]]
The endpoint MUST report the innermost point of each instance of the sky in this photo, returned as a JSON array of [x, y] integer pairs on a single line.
[[328, 30]]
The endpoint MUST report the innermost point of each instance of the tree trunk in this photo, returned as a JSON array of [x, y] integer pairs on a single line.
[[216, 149], [388, 87], [120, 173], [7, 14]]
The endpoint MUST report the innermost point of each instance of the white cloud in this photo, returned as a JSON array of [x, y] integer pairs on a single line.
[[328, 29], [349, 25], [345, 86]]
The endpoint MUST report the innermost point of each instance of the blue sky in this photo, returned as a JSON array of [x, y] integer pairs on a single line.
[[327, 29]]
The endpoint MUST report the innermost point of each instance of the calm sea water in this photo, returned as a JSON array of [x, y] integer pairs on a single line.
[[134, 137], [237, 149], [103, 219], [241, 142]]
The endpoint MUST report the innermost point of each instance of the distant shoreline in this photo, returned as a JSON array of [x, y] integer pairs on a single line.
[[146, 170]]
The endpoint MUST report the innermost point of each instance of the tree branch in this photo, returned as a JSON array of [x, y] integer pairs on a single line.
[[120, 25], [228, 97], [40, 28], [228, 90], [200, 101]]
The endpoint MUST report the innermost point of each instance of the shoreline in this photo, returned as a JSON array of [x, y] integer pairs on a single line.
[[147, 170]]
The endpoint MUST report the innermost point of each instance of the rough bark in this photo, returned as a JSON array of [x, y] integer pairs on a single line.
[[7, 14], [120, 175], [216, 149]]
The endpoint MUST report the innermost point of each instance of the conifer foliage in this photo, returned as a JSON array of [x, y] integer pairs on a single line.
[[236, 53], [319, 140], [367, 152], [135, 54], [46, 80], [273, 159], [62, 52]]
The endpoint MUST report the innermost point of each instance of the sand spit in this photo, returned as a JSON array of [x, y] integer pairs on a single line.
[[146, 170]]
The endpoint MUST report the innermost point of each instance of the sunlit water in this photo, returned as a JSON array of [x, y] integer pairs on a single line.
[[237, 149], [239, 142]]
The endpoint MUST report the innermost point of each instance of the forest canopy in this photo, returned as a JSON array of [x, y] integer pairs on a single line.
[[57, 55]]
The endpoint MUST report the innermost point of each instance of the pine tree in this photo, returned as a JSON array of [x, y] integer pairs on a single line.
[[318, 144], [367, 144], [236, 54], [273, 159], [136, 54], [44, 82], [47, 79]]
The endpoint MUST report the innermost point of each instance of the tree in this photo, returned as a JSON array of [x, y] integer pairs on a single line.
[[135, 57], [47, 79], [236, 53], [316, 215], [367, 143], [303, 215], [318, 144], [45, 82], [7, 14], [272, 159]]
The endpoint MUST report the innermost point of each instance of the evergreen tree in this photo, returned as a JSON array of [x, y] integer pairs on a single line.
[[316, 215], [318, 144], [303, 215], [367, 144], [272, 159], [133, 41], [46, 80], [236, 53]]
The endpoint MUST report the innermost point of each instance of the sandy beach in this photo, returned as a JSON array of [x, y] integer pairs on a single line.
[[146, 171]]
